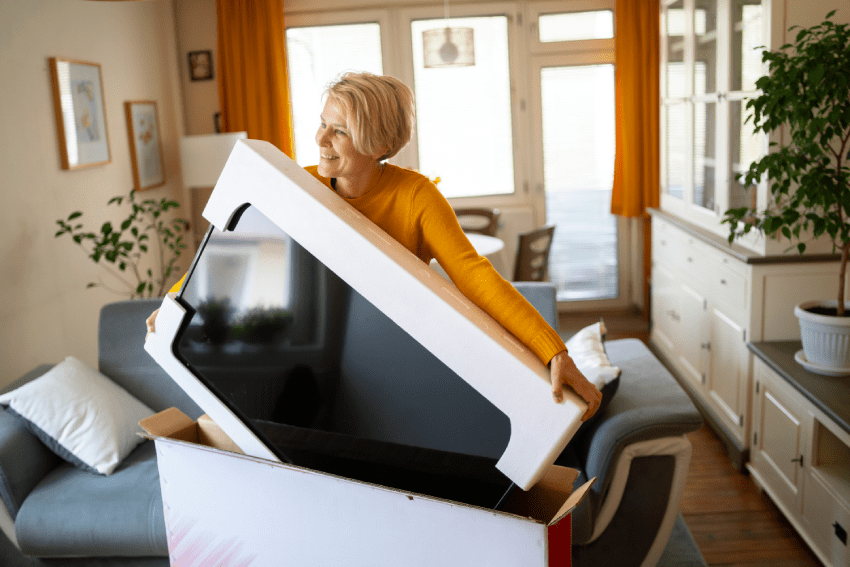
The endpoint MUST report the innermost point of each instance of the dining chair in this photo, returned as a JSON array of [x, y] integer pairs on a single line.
[[532, 259], [479, 220]]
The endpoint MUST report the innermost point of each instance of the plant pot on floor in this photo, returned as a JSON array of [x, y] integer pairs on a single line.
[[826, 338]]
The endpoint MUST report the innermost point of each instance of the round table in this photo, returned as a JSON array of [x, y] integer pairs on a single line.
[[488, 246]]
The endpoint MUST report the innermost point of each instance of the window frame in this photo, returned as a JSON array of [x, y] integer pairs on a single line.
[[536, 9]]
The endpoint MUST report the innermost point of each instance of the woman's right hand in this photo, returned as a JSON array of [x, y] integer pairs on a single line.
[[151, 323]]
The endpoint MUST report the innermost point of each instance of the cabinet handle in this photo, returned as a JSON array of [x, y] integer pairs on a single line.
[[706, 346], [798, 460], [690, 259], [723, 282]]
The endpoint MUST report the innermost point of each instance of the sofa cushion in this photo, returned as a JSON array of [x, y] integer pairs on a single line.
[[587, 349], [74, 512], [80, 414]]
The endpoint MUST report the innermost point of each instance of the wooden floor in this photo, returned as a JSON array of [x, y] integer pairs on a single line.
[[734, 524]]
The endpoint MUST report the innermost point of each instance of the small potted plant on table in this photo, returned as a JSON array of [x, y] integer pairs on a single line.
[[807, 91]]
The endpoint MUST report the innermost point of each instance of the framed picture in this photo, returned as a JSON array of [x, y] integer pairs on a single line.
[[145, 145], [80, 115], [200, 65]]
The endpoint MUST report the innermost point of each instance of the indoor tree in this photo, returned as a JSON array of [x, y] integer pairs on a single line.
[[807, 90]]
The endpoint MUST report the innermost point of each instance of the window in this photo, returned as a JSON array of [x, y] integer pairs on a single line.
[[466, 138], [317, 55], [575, 26]]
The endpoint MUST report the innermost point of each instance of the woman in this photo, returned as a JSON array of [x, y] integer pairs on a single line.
[[368, 119]]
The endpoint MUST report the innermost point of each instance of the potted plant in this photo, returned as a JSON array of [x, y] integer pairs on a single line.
[[124, 246], [807, 91]]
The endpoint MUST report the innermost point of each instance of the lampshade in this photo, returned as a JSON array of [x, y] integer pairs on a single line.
[[448, 47], [203, 157]]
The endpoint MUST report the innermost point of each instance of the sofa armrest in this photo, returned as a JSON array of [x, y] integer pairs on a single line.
[[649, 404], [24, 459]]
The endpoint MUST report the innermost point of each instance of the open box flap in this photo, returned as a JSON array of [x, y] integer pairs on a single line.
[[551, 498], [575, 498], [417, 299], [174, 424]]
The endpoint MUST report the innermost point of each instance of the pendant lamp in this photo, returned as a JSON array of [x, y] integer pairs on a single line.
[[448, 47]]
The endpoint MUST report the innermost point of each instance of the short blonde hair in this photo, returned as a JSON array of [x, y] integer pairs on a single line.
[[381, 109]]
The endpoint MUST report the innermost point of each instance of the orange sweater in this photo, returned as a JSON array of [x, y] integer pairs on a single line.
[[408, 207]]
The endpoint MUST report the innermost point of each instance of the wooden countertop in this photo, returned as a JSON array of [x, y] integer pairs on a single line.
[[831, 394]]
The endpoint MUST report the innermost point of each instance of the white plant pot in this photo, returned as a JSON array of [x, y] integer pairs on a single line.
[[826, 339]]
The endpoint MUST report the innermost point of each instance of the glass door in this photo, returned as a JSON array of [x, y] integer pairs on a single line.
[[573, 137]]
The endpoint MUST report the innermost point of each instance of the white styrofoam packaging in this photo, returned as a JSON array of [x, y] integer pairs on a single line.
[[223, 508], [425, 305]]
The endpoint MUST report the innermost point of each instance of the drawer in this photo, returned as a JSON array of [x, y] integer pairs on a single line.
[[727, 286], [666, 247], [828, 521]]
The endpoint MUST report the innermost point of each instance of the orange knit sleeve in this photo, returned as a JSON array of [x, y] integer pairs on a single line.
[[477, 279]]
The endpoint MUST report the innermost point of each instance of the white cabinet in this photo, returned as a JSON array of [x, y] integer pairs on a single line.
[[801, 458], [727, 386], [708, 300], [699, 322], [777, 456], [709, 66]]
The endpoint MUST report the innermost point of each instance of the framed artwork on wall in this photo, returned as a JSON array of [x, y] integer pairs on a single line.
[[80, 115], [145, 144], [200, 65]]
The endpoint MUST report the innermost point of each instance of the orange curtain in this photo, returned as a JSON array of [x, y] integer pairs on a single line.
[[636, 165], [637, 96], [253, 81]]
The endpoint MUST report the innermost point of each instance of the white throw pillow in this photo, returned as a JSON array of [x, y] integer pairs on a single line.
[[587, 349], [82, 415]]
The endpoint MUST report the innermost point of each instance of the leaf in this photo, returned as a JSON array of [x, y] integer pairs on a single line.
[[816, 75], [140, 288], [74, 215], [90, 284], [801, 247]]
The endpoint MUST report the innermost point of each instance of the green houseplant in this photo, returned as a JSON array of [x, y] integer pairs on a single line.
[[808, 92], [120, 250]]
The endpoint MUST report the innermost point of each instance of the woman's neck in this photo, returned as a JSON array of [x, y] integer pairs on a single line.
[[357, 186]]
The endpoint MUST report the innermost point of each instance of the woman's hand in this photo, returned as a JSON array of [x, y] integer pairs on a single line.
[[151, 323], [564, 372]]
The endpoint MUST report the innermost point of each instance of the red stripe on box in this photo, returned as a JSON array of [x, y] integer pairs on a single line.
[[561, 543]]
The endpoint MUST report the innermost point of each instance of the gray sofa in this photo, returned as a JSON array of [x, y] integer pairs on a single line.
[[636, 448]]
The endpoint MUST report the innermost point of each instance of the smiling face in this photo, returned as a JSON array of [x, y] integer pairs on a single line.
[[338, 156]]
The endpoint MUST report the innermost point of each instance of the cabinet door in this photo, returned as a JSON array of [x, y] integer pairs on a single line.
[[728, 371], [664, 307], [778, 445], [691, 339]]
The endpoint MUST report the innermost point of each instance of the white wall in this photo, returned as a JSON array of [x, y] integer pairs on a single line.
[[46, 313], [196, 31]]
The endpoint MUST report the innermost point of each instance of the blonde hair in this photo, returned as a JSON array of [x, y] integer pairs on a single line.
[[380, 111]]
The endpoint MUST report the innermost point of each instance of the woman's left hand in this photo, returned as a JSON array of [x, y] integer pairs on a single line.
[[564, 372]]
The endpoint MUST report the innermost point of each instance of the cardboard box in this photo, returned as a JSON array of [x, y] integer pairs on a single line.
[[226, 508]]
